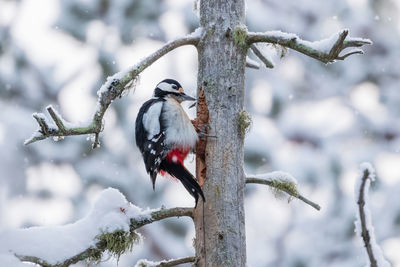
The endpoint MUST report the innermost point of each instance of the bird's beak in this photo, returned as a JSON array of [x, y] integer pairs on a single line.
[[186, 97]]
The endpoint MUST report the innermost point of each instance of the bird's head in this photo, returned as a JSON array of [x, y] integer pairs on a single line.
[[173, 89]]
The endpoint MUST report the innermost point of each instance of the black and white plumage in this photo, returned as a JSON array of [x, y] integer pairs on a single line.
[[165, 135]]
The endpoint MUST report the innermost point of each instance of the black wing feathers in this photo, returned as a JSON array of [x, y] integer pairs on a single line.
[[140, 131], [153, 150], [154, 155]]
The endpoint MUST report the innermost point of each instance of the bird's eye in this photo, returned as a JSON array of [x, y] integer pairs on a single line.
[[174, 86]]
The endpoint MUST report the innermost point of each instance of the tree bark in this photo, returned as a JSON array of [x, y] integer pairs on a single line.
[[220, 221]]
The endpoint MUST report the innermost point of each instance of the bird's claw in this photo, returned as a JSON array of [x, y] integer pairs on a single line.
[[203, 132], [193, 105]]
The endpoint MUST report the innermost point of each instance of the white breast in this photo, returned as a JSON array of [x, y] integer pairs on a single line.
[[179, 129]]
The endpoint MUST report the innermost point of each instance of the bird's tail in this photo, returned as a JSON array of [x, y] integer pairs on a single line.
[[179, 171]]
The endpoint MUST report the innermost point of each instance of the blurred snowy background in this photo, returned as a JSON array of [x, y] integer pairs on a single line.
[[316, 121]]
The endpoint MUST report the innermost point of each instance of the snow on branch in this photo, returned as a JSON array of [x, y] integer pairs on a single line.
[[114, 87], [109, 227], [281, 182], [252, 64], [363, 223], [327, 50], [166, 263]]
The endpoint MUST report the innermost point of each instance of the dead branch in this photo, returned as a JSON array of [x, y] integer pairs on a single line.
[[109, 91], [363, 223], [327, 50]]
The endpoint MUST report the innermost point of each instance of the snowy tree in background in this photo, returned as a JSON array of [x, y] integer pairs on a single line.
[[316, 123]]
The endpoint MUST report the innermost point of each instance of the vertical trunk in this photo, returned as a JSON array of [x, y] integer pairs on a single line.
[[220, 228]]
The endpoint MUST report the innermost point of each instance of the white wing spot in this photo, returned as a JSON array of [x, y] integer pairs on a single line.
[[152, 152], [151, 119], [155, 139], [149, 146]]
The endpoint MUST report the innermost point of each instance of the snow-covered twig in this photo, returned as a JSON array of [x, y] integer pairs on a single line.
[[165, 263], [160, 214], [252, 64], [327, 50], [363, 224], [109, 227], [109, 91], [280, 181]]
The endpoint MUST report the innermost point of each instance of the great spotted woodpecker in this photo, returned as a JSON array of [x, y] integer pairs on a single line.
[[165, 135]]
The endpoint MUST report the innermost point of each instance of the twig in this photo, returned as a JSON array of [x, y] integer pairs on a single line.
[[110, 90], [364, 231], [327, 50], [260, 55], [364, 224], [100, 247], [252, 64], [165, 263], [255, 180]]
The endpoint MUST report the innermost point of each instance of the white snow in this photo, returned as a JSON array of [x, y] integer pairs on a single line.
[[146, 263], [280, 34], [49, 123], [357, 39], [197, 32], [66, 123], [275, 176], [324, 45], [377, 251], [54, 244], [117, 76]]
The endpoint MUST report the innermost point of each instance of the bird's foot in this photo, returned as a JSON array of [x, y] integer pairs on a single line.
[[203, 132]]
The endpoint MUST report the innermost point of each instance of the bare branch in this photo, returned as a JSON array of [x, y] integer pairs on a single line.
[[99, 247], [352, 52], [327, 50], [279, 184], [364, 231], [364, 225], [252, 64], [109, 91], [56, 118], [165, 263], [268, 63]]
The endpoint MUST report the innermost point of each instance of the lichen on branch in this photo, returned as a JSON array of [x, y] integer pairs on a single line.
[[110, 227], [280, 182]]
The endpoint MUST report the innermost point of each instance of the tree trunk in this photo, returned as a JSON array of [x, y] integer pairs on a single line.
[[220, 222]]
